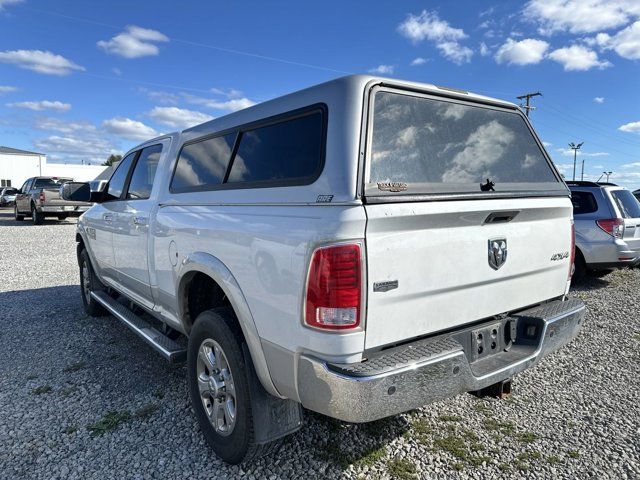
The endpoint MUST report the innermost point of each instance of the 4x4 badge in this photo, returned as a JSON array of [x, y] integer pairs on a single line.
[[497, 252]]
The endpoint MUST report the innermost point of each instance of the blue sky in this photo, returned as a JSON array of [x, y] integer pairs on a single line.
[[80, 80]]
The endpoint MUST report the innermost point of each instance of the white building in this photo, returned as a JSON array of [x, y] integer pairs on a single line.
[[18, 165]]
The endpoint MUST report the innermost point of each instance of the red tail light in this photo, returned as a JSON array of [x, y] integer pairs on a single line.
[[42, 197], [334, 288], [572, 265], [613, 226]]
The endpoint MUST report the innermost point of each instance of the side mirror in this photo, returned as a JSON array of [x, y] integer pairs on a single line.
[[76, 192]]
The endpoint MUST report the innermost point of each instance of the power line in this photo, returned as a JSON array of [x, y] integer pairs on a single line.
[[527, 97], [195, 44]]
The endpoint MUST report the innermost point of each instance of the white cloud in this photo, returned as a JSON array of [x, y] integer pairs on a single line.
[[598, 99], [232, 105], [74, 148], [4, 3], [580, 16], [63, 126], [484, 50], [7, 89], [428, 26], [383, 70], [455, 52], [40, 61], [178, 118], [418, 61], [127, 128], [134, 42], [166, 98], [547, 144], [625, 43], [631, 165], [42, 105], [116, 71], [632, 127], [567, 152], [524, 52], [578, 58]]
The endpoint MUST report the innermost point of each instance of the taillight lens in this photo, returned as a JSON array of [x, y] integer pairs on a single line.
[[613, 226], [572, 266], [42, 197], [334, 288]]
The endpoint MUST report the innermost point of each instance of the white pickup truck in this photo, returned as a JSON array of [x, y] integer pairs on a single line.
[[361, 248]]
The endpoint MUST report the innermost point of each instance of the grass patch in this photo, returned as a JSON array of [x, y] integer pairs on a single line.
[[370, 457], [528, 456], [520, 465], [65, 392], [458, 466], [401, 468], [159, 394], [504, 467], [527, 437], [637, 336], [146, 411], [481, 407], [41, 389], [450, 418], [553, 460], [478, 461], [499, 426], [70, 429], [108, 422], [74, 367], [454, 445], [573, 453]]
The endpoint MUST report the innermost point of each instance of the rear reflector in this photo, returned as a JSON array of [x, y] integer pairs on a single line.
[[42, 197], [334, 288], [613, 226]]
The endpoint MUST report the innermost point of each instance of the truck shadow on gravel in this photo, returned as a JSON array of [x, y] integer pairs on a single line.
[[84, 383], [7, 219]]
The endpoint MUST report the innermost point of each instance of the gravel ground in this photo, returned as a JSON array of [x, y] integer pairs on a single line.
[[83, 398]]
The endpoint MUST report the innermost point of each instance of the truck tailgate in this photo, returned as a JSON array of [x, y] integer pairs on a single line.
[[52, 199], [438, 252]]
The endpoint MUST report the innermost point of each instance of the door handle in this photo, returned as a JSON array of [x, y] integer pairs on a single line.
[[140, 221], [107, 217]]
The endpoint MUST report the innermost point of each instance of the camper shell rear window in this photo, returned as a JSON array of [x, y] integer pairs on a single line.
[[426, 145]]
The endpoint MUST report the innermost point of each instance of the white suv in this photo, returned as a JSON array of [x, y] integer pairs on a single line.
[[362, 247]]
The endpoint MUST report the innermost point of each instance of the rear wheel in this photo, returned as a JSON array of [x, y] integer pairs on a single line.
[[36, 216], [89, 283], [219, 387], [62, 217], [580, 266], [16, 215]]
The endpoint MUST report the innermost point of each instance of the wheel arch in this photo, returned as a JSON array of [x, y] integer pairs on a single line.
[[201, 263]]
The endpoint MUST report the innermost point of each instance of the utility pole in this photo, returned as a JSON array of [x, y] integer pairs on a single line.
[[607, 174], [575, 149], [527, 98], [582, 173]]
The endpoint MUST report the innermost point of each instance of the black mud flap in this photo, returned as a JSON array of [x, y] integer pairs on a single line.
[[273, 417]]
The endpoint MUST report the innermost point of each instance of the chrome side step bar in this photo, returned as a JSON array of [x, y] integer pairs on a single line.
[[169, 349]]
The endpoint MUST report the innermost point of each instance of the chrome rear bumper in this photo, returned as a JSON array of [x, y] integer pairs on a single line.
[[442, 370]]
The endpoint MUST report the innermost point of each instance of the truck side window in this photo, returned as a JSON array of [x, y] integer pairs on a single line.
[[144, 173], [284, 151], [203, 164], [119, 177]]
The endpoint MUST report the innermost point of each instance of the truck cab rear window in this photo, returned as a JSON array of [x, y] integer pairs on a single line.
[[432, 146]]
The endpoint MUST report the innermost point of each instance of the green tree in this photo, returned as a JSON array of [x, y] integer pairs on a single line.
[[111, 160]]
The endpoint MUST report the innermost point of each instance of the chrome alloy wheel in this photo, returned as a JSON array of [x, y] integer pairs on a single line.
[[86, 282], [217, 390]]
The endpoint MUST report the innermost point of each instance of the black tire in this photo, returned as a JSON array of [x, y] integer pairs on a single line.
[[62, 217], [239, 445], [36, 216], [580, 266], [16, 215], [88, 278]]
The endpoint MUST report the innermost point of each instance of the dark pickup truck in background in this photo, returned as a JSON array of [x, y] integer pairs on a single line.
[[39, 197]]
